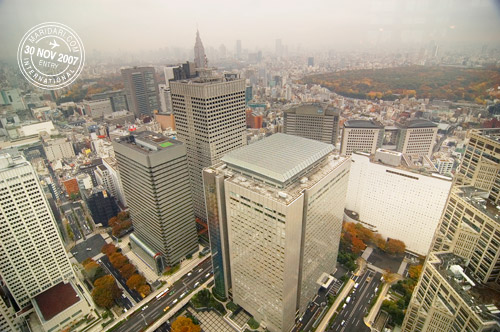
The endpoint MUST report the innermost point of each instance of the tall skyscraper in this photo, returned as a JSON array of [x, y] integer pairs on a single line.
[[210, 119], [200, 59], [142, 90], [273, 241], [33, 262], [361, 136], [480, 163], [315, 121], [32, 256], [458, 289], [155, 179]]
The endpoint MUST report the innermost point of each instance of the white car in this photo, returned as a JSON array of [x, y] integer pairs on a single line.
[[175, 301], [197, 284], [182, 295], [189, 274], [144, 308], [207, 275]]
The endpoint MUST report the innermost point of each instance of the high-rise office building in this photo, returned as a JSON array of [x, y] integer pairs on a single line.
[[310, 61], [101, 204], [142, 90], [387, 192], [273, 242], [362, 136], [32, 256], [458, 289], [200, 58], [480, 164], [33, 262], [155, 178], [210, 119], [417, 136], [315, 121]]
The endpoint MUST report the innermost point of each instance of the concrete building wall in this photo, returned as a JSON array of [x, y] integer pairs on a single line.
[[400, 204]]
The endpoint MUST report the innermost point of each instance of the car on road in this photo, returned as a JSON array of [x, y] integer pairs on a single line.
[[199, 271], [348, 299], [182, 295], [172, 292], [368, 279], [345, 305], [144, 308], [197, 284], [166, 308], [175, 301], [189, 274], [356, 285], [207, 275], [343, 322]]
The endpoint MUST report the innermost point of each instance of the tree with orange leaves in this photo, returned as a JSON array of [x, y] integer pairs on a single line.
[[184, 324]]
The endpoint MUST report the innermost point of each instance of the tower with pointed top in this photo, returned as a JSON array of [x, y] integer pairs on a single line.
[[200, 58]]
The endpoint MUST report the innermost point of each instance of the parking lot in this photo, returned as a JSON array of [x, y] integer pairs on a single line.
[[385, 261], [94, 243]]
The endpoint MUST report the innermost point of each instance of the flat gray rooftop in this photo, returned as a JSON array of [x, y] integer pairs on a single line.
[[362, 124], [279, 157]]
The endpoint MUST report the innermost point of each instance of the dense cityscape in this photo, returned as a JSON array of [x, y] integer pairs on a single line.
[[283, 186]]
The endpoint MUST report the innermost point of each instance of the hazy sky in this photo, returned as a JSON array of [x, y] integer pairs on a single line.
[[126, 25]]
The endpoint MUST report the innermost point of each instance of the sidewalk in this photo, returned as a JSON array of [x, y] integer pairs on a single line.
[[370, 318], [346, 290]]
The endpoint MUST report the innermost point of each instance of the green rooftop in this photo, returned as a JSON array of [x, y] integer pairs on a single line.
[[165, 144]]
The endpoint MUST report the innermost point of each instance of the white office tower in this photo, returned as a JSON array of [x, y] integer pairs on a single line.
[[397, 197], [210, 119], [33, 261], [282, 203]]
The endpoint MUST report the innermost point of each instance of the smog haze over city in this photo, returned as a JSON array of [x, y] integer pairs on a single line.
[[113, 27]]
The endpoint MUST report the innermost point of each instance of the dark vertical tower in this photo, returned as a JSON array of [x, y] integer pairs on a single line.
[[142, 90]]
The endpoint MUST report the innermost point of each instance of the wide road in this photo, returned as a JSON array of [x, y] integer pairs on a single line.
[[149, 313], [314, 310], [354, 312]]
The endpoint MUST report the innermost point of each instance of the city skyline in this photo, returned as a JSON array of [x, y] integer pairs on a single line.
[[257, 24]]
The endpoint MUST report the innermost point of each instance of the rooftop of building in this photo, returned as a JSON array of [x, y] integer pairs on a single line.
[[367, 124], [417, 123], [492, 134], [8, 161], [56, 299], [480, 298], [479, 199], [313, 109], [278, 158], [406, 162], [148, 142], [289, 193]]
